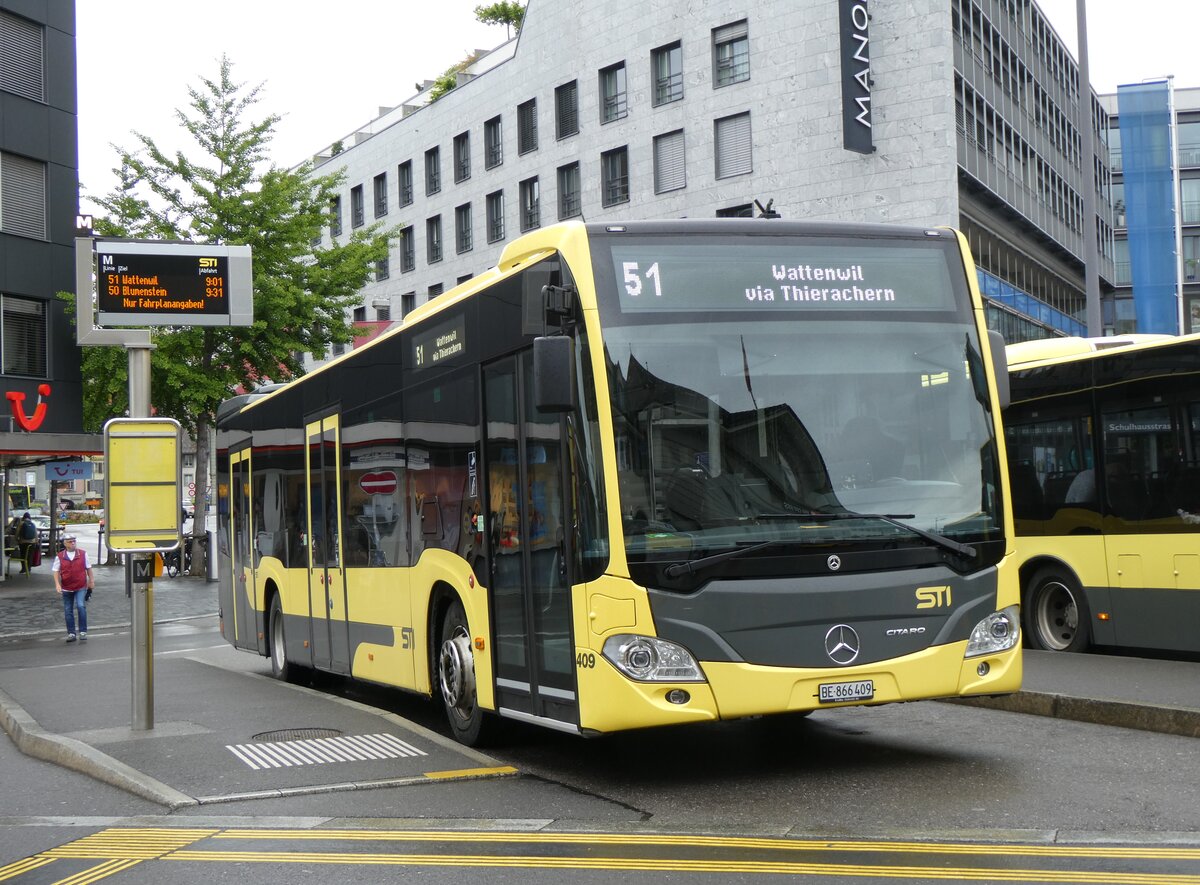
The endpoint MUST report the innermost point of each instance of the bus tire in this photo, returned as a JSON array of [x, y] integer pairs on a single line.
[[1057, 617], [281, 666], [456, 680]]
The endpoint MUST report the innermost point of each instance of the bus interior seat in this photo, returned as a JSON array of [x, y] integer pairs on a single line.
[[1028, 501], [1054, 493]]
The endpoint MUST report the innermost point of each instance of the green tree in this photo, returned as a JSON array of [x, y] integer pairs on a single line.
[[504, 12], [449, 79], [223, 190]]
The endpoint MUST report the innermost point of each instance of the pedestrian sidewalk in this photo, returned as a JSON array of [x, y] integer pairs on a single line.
[[29, 604]]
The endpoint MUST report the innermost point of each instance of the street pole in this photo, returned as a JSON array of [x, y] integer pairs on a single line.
[[142, 596], [1091, 251]]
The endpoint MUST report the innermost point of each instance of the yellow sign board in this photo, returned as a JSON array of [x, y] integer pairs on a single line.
[[142, 488]]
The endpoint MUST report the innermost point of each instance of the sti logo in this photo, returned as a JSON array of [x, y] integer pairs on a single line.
[[208, 265]]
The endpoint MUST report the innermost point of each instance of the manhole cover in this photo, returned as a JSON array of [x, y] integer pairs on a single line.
[[297, 734]]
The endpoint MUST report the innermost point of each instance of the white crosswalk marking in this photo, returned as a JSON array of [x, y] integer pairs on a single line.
[[318, 751]]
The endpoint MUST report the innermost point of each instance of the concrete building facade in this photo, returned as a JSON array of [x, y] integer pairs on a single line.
[[965, 114]]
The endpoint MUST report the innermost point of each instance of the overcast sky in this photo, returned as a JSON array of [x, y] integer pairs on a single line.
[[328, 69]]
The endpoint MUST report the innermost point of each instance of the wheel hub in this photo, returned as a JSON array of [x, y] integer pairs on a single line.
[[457, 671]]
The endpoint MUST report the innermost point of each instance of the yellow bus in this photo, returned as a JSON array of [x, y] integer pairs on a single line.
[[642, 474], [1103, 440]]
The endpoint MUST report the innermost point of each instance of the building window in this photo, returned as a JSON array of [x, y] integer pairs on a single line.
[[614, 176], [383, 313], [666, 72], [433, 171], [568, 191], [404, 182], [360, 315], [383, 269], [745, 210], [493, 143], [669, 174], [732, 141], [407, 302], [381, 206], [434, 291], [337, 349], [463, 238], [22, 57], [462, 157], [566, 110], [527, 127], [408, 251], [531, 213], [463, 279], [613, 101], [22, 196], [731, 54], [495, 216], [335, 216], [433, 239], [24, 336], [357, 215]]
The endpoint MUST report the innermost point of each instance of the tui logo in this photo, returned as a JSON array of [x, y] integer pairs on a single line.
[[16, 403]]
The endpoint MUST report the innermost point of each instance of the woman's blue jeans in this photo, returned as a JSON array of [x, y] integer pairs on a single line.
[[75, 599]]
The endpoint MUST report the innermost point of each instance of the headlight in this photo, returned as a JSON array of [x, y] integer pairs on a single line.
[[649, 659], [999, 631]]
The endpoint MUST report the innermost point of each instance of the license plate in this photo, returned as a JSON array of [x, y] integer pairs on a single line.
[[836, 692]]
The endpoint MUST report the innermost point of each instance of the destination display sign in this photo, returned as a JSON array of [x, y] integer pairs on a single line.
[[173, 284], [440, 344], [864, 276]]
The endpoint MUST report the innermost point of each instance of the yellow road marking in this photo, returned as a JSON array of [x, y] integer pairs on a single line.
[[123, 848], [23, 866], [471, 772], [687, 866], [124, 843], [1035, 850], [100, 871]]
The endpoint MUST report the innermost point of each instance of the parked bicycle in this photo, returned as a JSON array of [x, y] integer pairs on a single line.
[[179, 561]]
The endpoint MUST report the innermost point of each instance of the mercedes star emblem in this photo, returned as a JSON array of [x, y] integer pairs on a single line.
[[841, 644], [834, 563]]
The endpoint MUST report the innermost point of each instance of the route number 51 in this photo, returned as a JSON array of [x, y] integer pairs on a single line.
[[633, 282]]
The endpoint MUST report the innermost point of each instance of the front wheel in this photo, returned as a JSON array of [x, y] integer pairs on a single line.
[[1057, 617], [456, 678]]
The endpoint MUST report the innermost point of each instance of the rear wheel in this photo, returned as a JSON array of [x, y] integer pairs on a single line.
[[456, 679], [281, 666], [1057, 617]]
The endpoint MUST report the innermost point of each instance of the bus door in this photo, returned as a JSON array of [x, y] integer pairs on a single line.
[[326, 580], [528, 565], [247, 621]]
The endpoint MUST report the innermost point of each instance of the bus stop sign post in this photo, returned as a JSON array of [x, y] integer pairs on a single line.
[[141, 493]]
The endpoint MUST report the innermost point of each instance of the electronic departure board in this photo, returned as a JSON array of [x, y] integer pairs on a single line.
[[173, 284]]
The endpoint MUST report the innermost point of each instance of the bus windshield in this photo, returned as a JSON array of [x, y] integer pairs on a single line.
[[743, 421]]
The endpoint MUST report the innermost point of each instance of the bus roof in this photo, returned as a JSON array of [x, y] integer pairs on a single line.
[[1024, 353]]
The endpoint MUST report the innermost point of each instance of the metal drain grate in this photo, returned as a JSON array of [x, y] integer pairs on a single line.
[[297, 734]]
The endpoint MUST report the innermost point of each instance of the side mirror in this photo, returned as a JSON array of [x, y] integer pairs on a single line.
[[553, 373], [1000, 368]]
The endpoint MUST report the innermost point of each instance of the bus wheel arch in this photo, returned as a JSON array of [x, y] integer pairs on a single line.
[[1054, 607], [453, 669]]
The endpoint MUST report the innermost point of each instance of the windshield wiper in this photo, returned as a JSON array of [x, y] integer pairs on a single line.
[[895, 519], [686, 568]]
